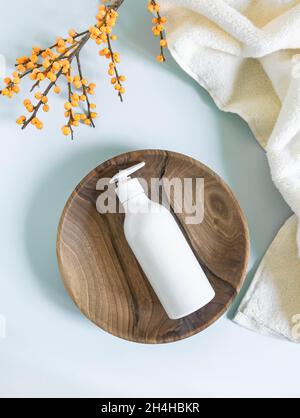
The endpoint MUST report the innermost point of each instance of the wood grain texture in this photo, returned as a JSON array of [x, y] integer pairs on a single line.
[[102, 275]]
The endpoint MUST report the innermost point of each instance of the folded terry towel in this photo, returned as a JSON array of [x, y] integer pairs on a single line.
[[272, 303], [244, 52]]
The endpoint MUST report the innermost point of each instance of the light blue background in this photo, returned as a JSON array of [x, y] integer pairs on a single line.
[[51, 349]]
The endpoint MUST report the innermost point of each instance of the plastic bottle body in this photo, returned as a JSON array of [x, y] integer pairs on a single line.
[[166, 257]]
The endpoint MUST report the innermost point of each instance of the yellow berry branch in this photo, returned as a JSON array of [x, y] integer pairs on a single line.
[[34, 109], [159, 28], [118, 80], [64, 68], [55, 62], [49, 65]]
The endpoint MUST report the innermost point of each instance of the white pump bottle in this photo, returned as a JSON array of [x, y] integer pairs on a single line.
[[162, 250]]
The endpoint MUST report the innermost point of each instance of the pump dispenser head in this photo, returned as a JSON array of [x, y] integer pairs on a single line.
[[123, 175], [128, 188]]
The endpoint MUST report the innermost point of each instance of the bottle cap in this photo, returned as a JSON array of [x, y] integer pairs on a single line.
[[123, 175]]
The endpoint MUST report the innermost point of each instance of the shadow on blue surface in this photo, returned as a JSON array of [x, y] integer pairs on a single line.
[[44, 214]]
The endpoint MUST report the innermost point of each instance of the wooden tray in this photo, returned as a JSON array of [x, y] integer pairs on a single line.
[[102, 275]]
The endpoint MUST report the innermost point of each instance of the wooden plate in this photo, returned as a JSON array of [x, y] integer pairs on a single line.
[[102, 275]]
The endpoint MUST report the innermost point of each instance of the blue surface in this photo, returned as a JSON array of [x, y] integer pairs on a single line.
[[50, 348]]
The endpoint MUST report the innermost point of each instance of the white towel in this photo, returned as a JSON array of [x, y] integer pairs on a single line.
[[244, 52]]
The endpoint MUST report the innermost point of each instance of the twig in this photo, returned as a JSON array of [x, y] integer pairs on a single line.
[[59, 58], [70, 111], [37, 107], [115, 67], [115, 4], [78, 35], [84, 90]]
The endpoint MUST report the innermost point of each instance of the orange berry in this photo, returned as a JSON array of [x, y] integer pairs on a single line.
[[45, 99], [46, 108], [34, 58], [68, 106], [122, 78], [30, 108], [72, 33], [51, 76], [22, 60], [21, 68], [117, 57], [21, 120], [30, 66], [160, 58], [46, 63], [75, 97], [66, 130], [57, 89], [41, 77], [56, 66], [93, 106], [5, 92], [60, 41], [36, 50], [104, 52]]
